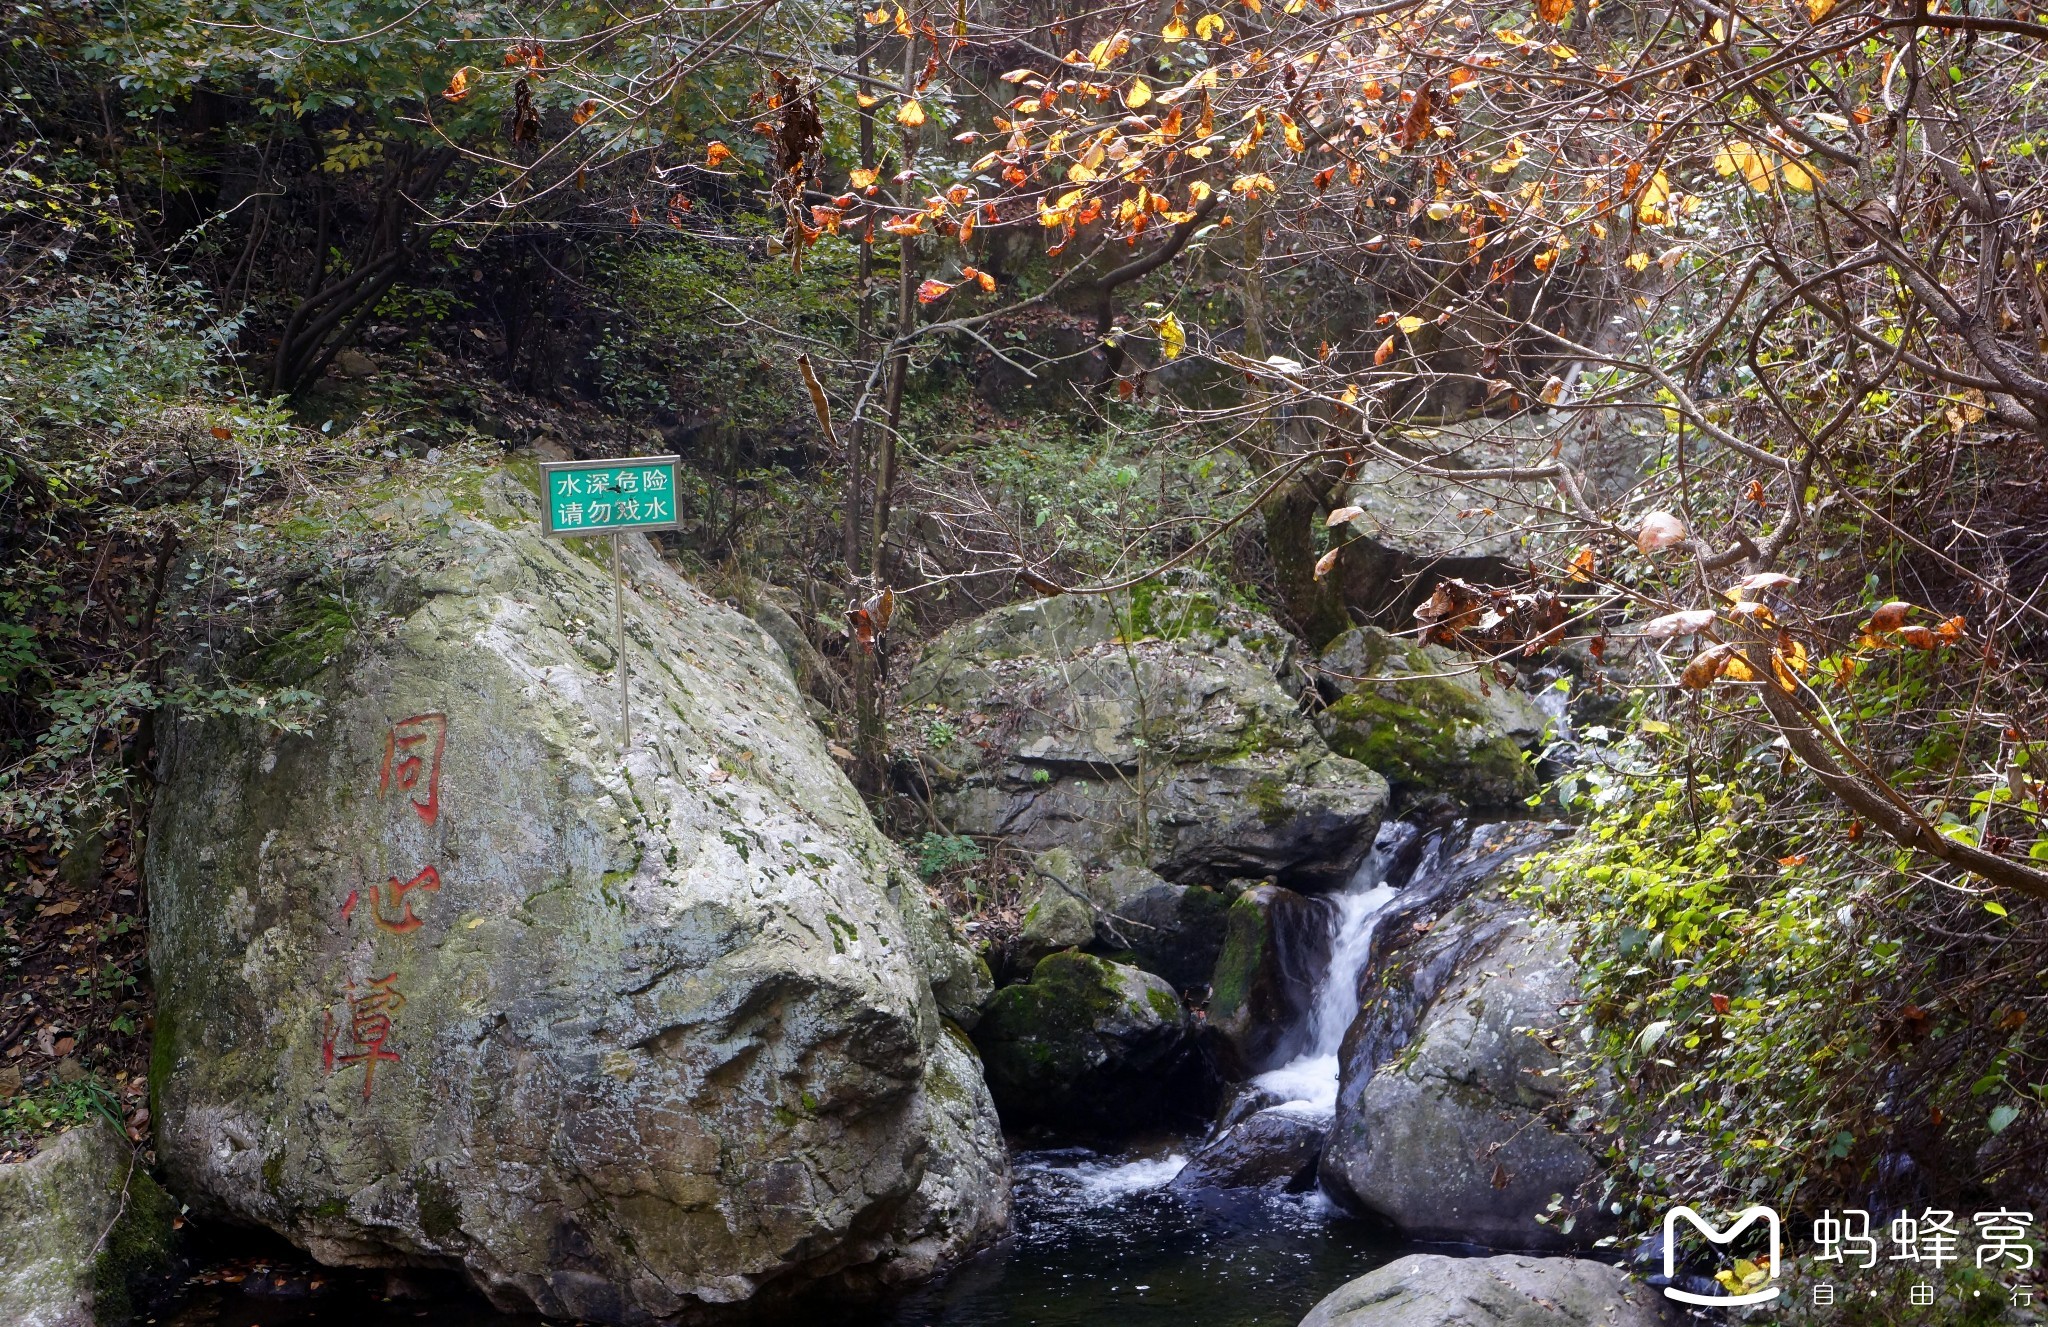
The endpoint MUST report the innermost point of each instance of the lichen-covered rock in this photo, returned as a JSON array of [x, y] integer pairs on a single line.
[[1432, 1290], [82, 1225], [1086, 1043], [1428, 720], [1273, 1149], [1450, 1141], [453, 980], [1276, 947], [1151, 730]]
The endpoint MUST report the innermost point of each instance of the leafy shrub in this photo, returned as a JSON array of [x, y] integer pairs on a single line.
[[940, 853]]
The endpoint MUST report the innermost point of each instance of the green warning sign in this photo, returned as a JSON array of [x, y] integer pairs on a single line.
[[610, 497]]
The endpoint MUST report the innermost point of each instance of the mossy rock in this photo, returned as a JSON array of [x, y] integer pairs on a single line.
[[1429, 721], [1086, 1043], [83, 1229], [1275, 947]]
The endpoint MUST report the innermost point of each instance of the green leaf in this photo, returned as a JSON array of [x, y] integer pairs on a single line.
[[2001, 1118], [1994, 908]]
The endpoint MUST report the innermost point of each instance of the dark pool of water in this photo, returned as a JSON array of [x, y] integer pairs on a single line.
[[1097, 1241]]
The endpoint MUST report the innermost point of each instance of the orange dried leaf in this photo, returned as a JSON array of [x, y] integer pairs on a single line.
[[716, 154], [1891, 616], [932, 290], [1327, 561], [1705, 666]]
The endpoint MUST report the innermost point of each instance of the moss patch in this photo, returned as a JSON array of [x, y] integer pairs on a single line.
[[137, 1250], [440, 1210], [1245, 937]]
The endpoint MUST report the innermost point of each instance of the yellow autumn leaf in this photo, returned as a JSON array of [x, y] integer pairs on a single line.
[[1292, 133], [866, 100], [1176, 29], [1173, 338], [910, 115], [861, 177], [1799, 177], [1109, 49], [1816, 10], [1138, 94], [1638, 262], [1208, 26], [1410, 324]]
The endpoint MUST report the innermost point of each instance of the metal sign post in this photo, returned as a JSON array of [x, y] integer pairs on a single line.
[[616, 498]]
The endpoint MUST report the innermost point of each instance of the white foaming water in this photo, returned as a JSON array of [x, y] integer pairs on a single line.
[[1104, 1181], [1308, 1083]]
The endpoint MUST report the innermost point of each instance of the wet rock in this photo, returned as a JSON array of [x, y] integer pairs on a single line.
[[1453, 1140], [1152, 730], [1433, 722], [449, 980], [1241, 1101], [1272, 1149], [1276, 947], [1086, 1044], [1431, 1290], [82, 1228]]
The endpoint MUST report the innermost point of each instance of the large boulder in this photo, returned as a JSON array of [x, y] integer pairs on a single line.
[[82, 1226], [1430, 721], [1085, 1044], [451, 979], [1276, 948], [1447, 1132], [1151, 729], [1273, 1149], [1433, 1290]]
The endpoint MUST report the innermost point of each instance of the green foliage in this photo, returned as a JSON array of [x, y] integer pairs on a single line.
[[103, 352], [1754, 970], [704, 329], [55, 1107], [940, 853]]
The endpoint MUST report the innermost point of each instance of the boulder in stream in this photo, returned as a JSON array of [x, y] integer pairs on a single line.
[[82, 1226], [1151, 729], [1086, 1044], [1273, 1149], [1432, 1290], [1443, 1125], [1276, 947], [452, 980]]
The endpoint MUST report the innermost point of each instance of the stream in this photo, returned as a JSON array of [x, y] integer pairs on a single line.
[[1096, 1237]]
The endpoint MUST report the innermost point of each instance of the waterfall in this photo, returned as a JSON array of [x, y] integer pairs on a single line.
[[1309, 1081]]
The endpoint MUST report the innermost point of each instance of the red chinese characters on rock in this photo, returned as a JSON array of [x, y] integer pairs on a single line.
[[391, 899], [369, 1027], [412, 762]]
